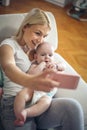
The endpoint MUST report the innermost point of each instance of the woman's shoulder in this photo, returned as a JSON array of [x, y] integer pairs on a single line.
[[11, 42], [8, 41]]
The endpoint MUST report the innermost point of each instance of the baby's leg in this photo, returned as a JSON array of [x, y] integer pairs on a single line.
[[19, 105], [41, 106]]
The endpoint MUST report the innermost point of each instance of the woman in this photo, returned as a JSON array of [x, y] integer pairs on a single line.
[[62, 113]]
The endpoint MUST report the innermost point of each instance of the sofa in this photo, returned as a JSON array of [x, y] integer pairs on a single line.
[[8, 26]]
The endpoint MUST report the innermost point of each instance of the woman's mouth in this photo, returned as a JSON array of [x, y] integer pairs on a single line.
[[34, 44]]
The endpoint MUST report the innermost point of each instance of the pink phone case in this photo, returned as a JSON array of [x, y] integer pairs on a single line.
[[68, 81]]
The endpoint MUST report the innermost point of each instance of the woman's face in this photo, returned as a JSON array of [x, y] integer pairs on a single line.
[[34, 35]]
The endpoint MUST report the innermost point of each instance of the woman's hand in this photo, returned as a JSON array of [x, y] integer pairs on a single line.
[[43, 82]]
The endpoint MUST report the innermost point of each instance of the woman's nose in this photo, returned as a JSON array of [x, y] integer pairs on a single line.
[[40, 39]]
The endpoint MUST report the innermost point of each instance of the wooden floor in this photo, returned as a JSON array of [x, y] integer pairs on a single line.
[[72, 33]]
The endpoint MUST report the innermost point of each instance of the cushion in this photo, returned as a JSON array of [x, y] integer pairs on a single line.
[[80, 93]]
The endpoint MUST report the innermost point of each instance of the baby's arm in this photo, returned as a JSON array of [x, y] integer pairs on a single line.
[[36, 69]]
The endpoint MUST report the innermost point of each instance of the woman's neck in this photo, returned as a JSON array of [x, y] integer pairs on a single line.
[[21, 42], [25, 48], [23, 45]]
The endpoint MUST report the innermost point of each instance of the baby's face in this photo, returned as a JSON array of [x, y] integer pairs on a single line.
[[45, 53]]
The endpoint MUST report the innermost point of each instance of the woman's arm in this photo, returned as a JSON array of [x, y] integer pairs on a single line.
[[44, 81], [7, 62]]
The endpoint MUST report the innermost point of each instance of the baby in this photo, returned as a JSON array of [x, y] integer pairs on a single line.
[[38, 101]]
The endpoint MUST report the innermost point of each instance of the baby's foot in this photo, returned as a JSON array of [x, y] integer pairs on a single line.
[[23, 115], [21, 119], [18, 122]]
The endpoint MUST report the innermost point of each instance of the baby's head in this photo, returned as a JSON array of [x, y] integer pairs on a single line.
[[44, 52]]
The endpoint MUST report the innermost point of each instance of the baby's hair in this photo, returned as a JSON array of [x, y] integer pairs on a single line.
[[34, 51], [40, 45]]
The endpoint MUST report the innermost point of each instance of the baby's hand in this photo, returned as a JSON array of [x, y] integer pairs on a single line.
[[51, 66], [42, 65]]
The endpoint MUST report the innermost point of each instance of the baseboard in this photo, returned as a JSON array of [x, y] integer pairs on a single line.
[[60, 3]]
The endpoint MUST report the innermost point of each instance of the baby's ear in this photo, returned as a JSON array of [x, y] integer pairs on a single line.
[[32, 55], [35, 56]]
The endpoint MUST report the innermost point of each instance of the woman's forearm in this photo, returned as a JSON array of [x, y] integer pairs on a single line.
[[15, 74]]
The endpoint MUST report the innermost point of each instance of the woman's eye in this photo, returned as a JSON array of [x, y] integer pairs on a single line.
[[45, 36], [37, 33]]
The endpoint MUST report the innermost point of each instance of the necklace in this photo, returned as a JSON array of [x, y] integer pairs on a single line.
[[25, 48]]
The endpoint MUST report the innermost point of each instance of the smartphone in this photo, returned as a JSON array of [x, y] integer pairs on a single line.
[[67, 81]]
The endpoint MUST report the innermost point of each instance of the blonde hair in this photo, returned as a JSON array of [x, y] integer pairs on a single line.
[[35, 17]]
